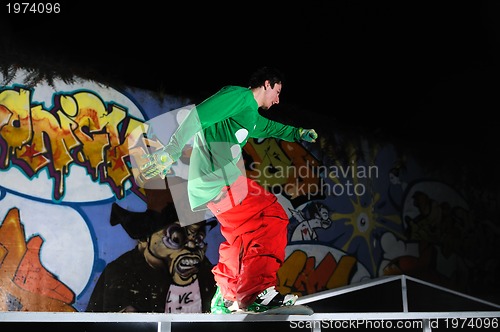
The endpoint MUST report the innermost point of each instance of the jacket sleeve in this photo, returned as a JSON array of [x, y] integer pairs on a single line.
[[268, 128], [183, 134]]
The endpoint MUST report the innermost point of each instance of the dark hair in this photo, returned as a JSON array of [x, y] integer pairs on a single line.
[[263, 74]]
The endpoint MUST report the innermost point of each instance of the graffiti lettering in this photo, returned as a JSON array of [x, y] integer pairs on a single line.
[[185, 298], [300, 275], [81, 129], [169, 300]]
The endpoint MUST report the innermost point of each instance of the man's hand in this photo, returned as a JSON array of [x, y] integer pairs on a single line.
[[308, 135], [159, 163]]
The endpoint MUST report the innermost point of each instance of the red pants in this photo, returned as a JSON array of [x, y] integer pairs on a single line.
[[254, 226]]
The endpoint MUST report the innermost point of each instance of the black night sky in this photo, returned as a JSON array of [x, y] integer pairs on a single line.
[[422, 72]]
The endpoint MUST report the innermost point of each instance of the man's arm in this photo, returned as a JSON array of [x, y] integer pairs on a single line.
[[160, 161], [268, 128]]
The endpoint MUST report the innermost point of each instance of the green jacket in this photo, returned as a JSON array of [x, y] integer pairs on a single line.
[[221, 126]]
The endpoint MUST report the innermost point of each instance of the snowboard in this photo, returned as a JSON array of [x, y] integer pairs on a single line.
[[297, 309]]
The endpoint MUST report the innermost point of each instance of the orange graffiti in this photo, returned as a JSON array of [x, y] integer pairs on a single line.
[[300, 274], [25, 284], [311, 279], [340, 276]]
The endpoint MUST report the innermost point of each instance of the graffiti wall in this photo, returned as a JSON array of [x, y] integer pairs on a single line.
[[68, 197]]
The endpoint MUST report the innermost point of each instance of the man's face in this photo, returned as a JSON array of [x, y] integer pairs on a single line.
[[272, 95], [182, 249]]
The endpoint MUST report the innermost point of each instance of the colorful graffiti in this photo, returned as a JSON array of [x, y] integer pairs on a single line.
[[284, 168], [79, 129], [26, 284], [312, 268]]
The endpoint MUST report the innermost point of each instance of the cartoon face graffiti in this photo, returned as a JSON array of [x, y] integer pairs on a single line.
[[182, 249], [324, 216]]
